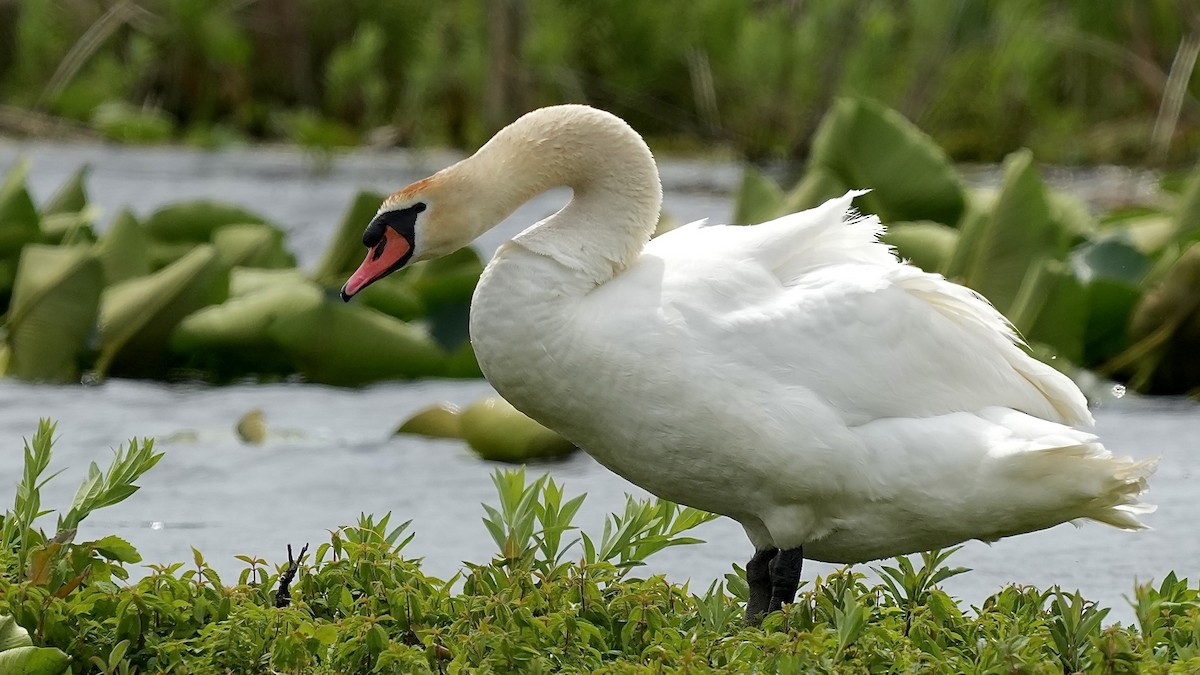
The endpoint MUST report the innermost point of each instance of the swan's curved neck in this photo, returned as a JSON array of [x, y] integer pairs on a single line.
[[616, 198]]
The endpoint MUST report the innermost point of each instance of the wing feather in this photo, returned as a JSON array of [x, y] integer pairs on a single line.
[[814, 300]]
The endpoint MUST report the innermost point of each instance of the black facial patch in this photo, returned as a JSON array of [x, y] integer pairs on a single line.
[[402, 221]]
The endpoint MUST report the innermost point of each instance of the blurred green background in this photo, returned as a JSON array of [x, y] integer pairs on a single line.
[[1076, 81]]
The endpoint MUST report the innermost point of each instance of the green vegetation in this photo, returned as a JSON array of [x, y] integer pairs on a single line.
[[1078, 81], [492, 428], [208, 291], [551, 600], [1116, 293]]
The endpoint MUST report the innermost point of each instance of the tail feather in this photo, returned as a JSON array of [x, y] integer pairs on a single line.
[[1119, 505], [1109, 487]]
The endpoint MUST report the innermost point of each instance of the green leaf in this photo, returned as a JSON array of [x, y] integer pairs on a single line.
[[233, 338], [161, 254], [253, 245], [818, 186], [249, 280], [866, 145], [462, 362], [450, 279], [252, 427], [1165, 332], [90, 489], [1112, 270], [394, 296], [499, 432], [926, 244], [12, 635], [326, 634], [115, 548], [1051, 308], [71, 197], [1110, 304], [349, 345], [196, 221], [53, 313], [34, 661], [439, 420], [69, 228], [124, 249], [1187, 210], [1110, 258], [19, 221], [758, 199], [138, 315], [127, 123], [345, 250], [971, 226], [1019, 231]]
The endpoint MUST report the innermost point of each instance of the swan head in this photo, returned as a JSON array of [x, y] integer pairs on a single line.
[[417, 223]]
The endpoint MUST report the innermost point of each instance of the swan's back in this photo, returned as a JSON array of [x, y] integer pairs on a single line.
[[797, 377], [815, 300]]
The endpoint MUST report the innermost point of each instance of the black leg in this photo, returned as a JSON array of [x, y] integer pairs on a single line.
[[785, 577], [758, 576]]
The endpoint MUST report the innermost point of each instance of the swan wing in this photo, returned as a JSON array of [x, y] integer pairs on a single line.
[[814, 300]]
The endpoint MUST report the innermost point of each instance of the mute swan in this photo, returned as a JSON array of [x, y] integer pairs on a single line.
[[793, 375]]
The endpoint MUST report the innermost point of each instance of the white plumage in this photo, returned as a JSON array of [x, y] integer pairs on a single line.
[[792, 375]]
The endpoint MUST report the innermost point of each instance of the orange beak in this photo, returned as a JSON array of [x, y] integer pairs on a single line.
[[387, 256]]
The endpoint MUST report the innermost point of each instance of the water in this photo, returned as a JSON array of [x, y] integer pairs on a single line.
[[331, 455]]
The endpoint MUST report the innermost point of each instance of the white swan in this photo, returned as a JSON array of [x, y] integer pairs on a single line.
[[794, 375]]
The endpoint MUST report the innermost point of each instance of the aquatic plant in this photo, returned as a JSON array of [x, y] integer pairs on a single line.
[[1114, 292], [207, 290], [203, 290], [552, 599], [1077, 81]]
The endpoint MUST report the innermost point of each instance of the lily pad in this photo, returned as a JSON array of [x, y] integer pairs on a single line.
[[1165, 332], [196, 221], [71, 197], [233, 338], [394, 296], [758, 199], [926, 244], [1187, 211], [252, 427], [463, 363], [248, 280], [69, 228], [162, 254], [445, 287], [439, 420], [54, 308], [345, 250], [350, 345], [19, 220], [252, 245], [449, 279], [1112, 270], [863, 144], [1051, 308], [1019, 231], [124, 249], [499, 432], [817, 186], [137, 316]]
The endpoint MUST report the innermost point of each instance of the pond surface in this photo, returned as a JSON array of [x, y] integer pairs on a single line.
[[330, 453]]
